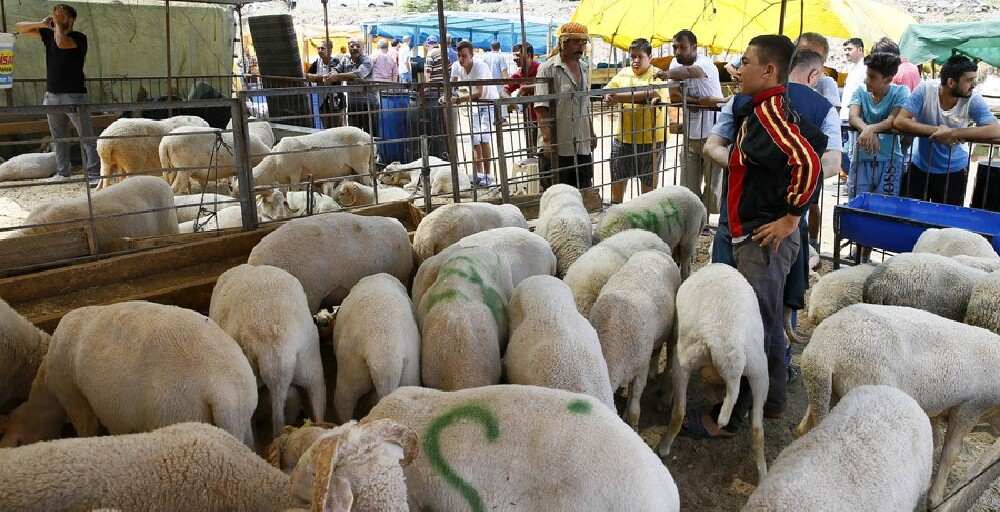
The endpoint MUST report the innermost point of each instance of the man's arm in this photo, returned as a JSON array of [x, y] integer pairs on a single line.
[[906, 123], [31, 28], [717, 149], [682, 73]]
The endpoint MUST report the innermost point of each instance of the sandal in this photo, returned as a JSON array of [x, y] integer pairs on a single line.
[[694, 426]]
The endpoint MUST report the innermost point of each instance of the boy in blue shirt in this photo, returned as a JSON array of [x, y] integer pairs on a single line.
[[878, 165], [944, 116]]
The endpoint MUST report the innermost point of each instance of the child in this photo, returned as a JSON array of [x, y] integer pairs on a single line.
[[878, 166]]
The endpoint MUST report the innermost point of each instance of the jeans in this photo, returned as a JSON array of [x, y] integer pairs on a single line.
[[59, 128], [948, 188], [699, 169]]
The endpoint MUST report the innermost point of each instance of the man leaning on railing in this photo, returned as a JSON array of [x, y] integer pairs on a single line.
[[944, 115]]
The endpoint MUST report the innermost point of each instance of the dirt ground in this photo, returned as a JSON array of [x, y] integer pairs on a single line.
[[719, 475]]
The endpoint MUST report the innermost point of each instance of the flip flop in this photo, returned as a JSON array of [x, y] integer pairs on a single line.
[[694, 426]]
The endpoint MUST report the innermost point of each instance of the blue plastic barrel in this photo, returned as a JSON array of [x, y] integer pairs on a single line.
[[393, 125]]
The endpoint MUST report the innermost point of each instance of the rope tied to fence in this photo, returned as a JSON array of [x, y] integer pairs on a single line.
[[213, 169]]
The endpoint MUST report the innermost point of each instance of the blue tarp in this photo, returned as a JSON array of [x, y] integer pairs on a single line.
[[480, 31]]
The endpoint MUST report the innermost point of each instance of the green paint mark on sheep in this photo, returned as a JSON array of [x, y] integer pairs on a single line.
[[432, 447], [579, 407], [647, 219], [436, 298], [493, 300]]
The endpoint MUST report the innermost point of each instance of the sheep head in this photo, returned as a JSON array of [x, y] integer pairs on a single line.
[[393, 174], [273, 206], [348, 193], [357, 466]]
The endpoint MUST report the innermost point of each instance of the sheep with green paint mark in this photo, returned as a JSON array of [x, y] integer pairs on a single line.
[[463, 320], [552, 344], [674, 213], [524, 448]]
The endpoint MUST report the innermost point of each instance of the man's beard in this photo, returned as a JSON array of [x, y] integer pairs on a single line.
[[957, 93], [686, 61]]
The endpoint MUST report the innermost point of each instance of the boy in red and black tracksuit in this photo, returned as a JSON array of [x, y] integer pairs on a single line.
[[774, 169]]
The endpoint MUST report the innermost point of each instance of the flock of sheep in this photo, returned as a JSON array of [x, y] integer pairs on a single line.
[[520, 340]]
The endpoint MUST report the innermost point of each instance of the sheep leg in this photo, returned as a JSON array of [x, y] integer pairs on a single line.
[[759, 385], [309, 376], [635, 395], [681, 376], [818, 382], [961, 420], [81, 414]]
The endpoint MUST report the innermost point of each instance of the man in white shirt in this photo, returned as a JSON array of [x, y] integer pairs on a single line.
[[826, 85], [480, 115], [497, 62], [854, 50], [702, 87], [403, 52]]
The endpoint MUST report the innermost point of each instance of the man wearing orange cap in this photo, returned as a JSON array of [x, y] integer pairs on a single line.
[[571, 147]]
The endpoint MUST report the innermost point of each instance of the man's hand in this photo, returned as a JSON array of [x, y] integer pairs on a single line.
[[706, 102], [609, 99], [48, 21], [772, 233], [869, 140], [593, 142], [945, 135]]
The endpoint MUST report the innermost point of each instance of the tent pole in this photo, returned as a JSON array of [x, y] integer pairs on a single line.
[[524, 43], [448, 108], [170, 85], [326, 26], [781, 18]]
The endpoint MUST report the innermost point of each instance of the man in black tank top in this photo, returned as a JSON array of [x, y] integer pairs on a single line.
[[65, 53]]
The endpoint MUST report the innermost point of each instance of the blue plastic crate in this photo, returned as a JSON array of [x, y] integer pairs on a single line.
[[895, 223]]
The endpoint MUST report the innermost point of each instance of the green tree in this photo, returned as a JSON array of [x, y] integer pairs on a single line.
[[422, 6]]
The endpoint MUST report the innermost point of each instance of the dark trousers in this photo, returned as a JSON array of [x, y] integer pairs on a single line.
[[948, 188], [577, 171]]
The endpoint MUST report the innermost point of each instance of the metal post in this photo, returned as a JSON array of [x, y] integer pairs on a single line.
[[524, 42], [326, 27], [241, 160], [170, 86], [92, 245], [781, 17], [501, 153], [425, 173], [449, 128], [8, 93]]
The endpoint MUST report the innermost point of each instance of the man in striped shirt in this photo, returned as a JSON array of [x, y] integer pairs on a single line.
[[774, 168]]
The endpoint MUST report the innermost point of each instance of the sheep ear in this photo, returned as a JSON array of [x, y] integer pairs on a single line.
[[324, 460], [398, 434], [338, 498], [273, 455]]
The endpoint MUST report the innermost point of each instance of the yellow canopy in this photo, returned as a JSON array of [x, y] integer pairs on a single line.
[[723, 25]]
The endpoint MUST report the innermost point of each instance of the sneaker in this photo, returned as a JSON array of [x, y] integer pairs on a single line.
[[58, 178], [93, 182], [483, 180], [793, 374]]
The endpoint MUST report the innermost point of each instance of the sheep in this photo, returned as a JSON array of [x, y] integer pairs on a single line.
[[408, 175], [672, 212], [131, 146], [331, 252], [350, 193], [329, 153], [588, 274], [264, 309], [28, 166], [114, 212], [276, 205], [633, 315], [947, 367], [188, 466], [257, 128], [551, 344], [924, 281], [988, 265], [526, 253], [204, 156], [524, 448], [190, 207], [452, 222], [983, 309], [225, 218], [287, 448], [463, 320], [41, 417], [104, 361], [955, 242], [22, 347], [563, 221], [837, 290], [719, 324], [983, 474], [377, 342], [873, 452]]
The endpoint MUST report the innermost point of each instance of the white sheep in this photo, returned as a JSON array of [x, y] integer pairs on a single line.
[[40, 418], [104, 361], [264, 309], [408, 175], [131, 146], [551, 344], [114, 210], [189, 207], [588, 274], [452, 222], [633, 315], [873, 452], [924, 281], [463, 320], [329, 153], [258, 128], [524, 448], [983, 308], [22, 348], [331, 252], [287, 448], [195, 153], [189, 466], [955, 242], [275, 204], [526, 253], [837, 290], [674, 213], [377, 342], [563, 221], [28, 166], [984, 264], [351, 193], [719, 325], [947, 367]]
